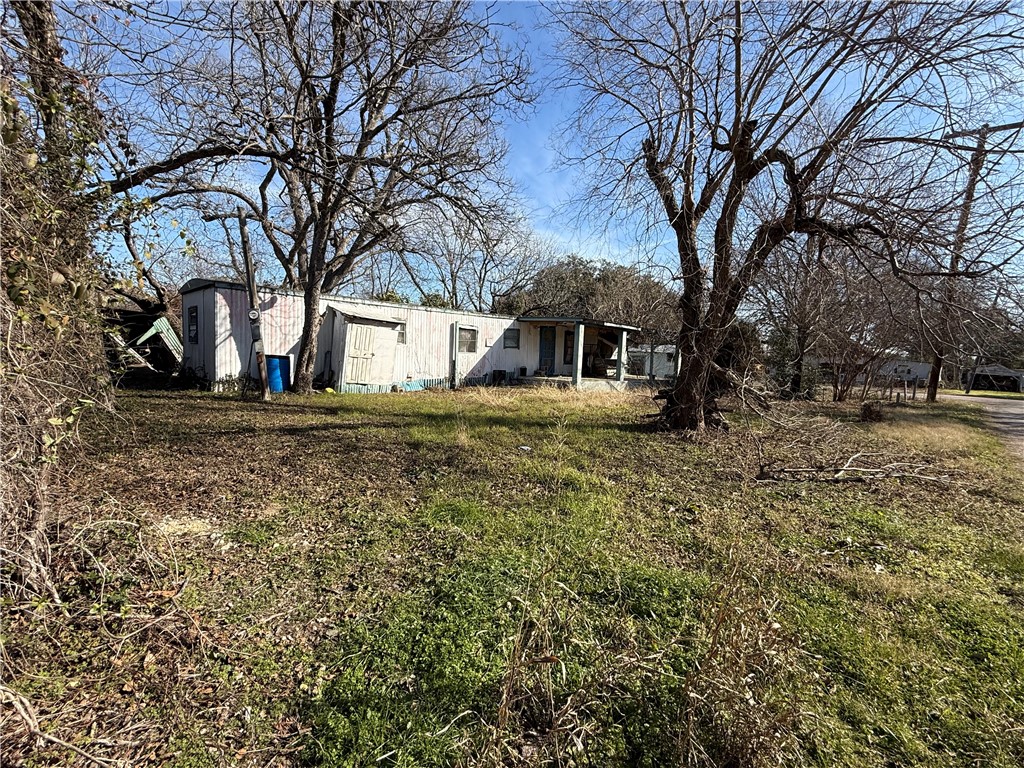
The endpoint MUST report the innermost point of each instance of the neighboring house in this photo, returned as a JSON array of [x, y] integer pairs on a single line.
[[372, 346], [997, 378], [905, 370], [657, 360]]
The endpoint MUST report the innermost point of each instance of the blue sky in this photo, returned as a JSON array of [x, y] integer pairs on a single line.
[[533, 160], [550, 189]]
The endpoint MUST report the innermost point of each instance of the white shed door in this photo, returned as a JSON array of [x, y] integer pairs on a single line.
[[359, 362], [371, 354]]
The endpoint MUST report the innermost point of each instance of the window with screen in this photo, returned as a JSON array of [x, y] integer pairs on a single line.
[[510, 339], [401, 333], [467, 339]]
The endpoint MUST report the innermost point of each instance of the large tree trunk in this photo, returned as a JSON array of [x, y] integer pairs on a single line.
[[46, 71], [311, 321], [692, 404]]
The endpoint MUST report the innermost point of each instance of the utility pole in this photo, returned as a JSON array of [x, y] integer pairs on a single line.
[[254, 307], [976, 164]]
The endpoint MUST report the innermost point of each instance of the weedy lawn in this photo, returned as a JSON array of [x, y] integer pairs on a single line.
[[500, 577]]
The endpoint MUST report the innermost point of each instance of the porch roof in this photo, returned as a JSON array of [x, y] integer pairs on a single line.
[[574, 320]]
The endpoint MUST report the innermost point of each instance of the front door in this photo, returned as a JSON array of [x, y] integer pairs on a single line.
[[547, 349]]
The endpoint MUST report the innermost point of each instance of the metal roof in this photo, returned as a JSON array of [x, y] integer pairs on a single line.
[[364, 313], [163, 329], [199, 284], [574, 320], [994, 369]]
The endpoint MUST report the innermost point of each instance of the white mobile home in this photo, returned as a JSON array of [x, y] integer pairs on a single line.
[[906, 370], [657, 360], [372, 346]]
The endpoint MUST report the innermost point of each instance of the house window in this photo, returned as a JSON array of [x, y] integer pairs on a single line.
[[467, 339], [570, 336], [510, 340], [193, 325], [401, 333]]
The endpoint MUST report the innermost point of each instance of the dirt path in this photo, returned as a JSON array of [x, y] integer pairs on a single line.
[[1007, 417]]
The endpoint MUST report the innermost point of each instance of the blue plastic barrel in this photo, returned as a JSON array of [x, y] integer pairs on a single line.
[[279, 372]]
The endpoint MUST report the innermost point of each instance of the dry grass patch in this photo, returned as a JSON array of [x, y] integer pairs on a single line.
[[922, 433]]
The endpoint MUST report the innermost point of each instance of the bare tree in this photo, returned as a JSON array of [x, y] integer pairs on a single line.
[[346, 123], [471, 263], [695, 114], [976, 165], [577, 287], [790, 298], [864, 319]]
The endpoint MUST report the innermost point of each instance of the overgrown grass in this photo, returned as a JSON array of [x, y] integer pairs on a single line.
[[496, 577]]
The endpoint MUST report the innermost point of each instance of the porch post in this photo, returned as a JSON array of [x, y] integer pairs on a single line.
[[577, 356], [453, 358], [620, 369]]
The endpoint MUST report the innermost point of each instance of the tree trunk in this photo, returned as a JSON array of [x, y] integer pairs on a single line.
[[796, 381], [934, 374], [691, 404], [38, 22], [311, 321]]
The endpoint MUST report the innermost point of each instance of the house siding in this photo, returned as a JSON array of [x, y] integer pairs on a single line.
[[424, 360]]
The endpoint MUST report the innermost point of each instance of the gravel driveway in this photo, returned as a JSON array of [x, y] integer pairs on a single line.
[[1007, 417]]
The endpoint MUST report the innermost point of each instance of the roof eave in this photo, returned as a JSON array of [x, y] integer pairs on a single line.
[[580, 320]]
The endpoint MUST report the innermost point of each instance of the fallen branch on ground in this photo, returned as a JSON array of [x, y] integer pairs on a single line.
[[24, 710], [849, 472]]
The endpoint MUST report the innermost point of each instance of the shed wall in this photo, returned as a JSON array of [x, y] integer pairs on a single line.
[[198, 357]]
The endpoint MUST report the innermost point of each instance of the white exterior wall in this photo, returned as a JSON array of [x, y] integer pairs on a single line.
[[280, 325], [529, 343], [664, 365], [529, 348], [908, 370], [430, 343], [423, 360]]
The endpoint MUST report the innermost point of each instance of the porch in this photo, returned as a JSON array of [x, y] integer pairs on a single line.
[[579, 353], [587, 384]]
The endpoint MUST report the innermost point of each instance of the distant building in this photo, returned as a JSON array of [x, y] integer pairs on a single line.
[[906, 370], [995, 378], [658, 360]]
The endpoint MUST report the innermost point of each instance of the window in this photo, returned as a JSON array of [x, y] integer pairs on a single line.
[[511, 338], [570, 336], [401, 333], [467, 339], [193, 325]]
